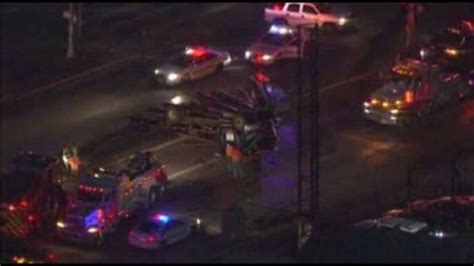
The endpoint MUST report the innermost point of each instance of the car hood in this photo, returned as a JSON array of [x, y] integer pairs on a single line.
[[260, 48], [169, 68], [391, 91]]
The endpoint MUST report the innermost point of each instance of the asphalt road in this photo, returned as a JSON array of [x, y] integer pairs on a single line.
[[362, 164]]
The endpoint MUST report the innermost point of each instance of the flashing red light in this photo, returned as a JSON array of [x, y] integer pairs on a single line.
[[150, 239], [24, 203], [261, 77], [51, 257], [31, 218], [277, 7], [196, 51], [100, 214]]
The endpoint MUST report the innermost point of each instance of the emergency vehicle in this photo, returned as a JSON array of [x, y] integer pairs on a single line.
[[103, 199], [412, 90], [306, 14], [280, 42], [160, 230], [453, 46], [192, 64], [31, 194]]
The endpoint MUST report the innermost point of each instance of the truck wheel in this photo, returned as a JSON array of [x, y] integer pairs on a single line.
[[219, 68], [239, 123], [174, 114]]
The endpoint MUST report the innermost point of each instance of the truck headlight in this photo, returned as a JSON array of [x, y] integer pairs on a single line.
[[266, 57], [248, 54], [342, 21], [60, 224], [92, 230], [173, 76], [177, 100], [157, 71]]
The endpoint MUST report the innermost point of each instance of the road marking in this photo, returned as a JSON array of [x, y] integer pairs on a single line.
[[159, 147], [193, 168], [345, 82]]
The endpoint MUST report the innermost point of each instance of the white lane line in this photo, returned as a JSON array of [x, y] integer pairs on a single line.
[[193, 168], [345, 82], [159, 147]]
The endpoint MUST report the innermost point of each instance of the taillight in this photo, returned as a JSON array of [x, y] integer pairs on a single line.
[[150, 239], [51, 257], [24, 203], [31, 218]]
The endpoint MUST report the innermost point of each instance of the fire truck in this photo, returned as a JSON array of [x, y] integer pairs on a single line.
[[32, 195], [249, 111], [106, 197], [412, 90]]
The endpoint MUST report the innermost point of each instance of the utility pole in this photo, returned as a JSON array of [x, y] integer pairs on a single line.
[[79, 20], [71, 17], [314, 124]]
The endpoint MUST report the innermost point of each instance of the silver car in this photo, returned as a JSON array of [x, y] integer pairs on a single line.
[[278, 43], [160, 230], [193, 64]]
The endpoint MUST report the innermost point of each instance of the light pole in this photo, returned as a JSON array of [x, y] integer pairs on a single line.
[[71, 17]]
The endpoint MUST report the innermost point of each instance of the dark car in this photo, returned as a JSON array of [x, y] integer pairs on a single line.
[[15, 250]]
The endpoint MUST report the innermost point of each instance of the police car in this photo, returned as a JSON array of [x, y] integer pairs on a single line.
[[160, 230], [192, 64], [278, 43]]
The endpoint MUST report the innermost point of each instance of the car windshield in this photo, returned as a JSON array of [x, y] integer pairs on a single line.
[[449, 37], [150, 226], [275, 39], [90, 197], [181, 61]]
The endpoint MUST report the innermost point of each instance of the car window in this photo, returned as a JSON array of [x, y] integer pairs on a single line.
[[309, 10], [295, 8]]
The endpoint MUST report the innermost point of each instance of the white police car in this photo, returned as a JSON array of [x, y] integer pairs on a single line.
[[278, 43], [194, 63], [160, 230]]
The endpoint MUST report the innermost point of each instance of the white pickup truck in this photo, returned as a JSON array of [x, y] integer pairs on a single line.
[[306, 14]]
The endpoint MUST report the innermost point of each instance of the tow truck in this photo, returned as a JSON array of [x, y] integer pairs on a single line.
[[249, 111], [106, 197], [307, 13], [31, 194], [413, 90], [452, 47], [278, 43], [194, 63]]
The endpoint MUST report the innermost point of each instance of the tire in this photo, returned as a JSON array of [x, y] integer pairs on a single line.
[[239, 123], [219, 68], [174, 115]]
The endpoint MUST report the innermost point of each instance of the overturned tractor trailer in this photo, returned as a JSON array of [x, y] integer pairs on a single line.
[[249, 112]]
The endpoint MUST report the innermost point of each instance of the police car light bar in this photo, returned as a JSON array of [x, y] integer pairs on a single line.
[[280, 30], [161, 218]]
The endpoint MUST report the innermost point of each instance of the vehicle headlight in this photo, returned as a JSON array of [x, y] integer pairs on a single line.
[[394, 111], [342, 21], [92, 230], [177, 100], [366, 104], [451, 51], [228, 60], [247, 54], [157, 71], [266, 57], [198, 221], [173, 76], [60, 224]]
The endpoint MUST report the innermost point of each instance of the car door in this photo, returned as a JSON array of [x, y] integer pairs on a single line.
[[311, 14], [293, 14], [204, 66]]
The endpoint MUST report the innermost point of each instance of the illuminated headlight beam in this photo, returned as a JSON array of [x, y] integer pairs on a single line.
[[172, 76]]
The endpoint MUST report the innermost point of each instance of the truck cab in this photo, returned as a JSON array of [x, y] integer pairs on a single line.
[[412, 90]]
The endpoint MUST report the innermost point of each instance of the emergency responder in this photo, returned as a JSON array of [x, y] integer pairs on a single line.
[[66, 157], [235, 157], [74, 161]]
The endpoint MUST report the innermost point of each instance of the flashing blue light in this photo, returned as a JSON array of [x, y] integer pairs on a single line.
[[280, 30], [161, 218]]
